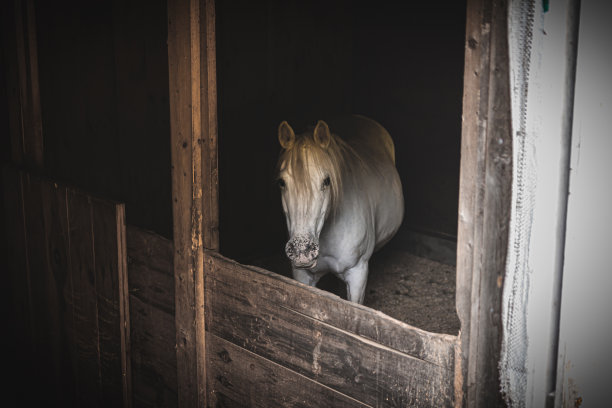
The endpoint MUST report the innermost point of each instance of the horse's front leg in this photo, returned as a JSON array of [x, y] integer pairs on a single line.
[[306, 276], [356, 279]]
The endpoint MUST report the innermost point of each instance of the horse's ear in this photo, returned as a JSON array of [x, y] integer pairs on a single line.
[[321, 134], [286, 137]]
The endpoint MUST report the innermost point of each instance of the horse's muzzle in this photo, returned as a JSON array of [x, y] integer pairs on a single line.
[[303, 251]]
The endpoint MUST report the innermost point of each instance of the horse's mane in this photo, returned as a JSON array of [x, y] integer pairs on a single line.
[[332, 161]]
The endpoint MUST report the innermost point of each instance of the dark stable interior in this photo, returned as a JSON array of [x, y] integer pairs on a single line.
[[399, 63], [103, 70]]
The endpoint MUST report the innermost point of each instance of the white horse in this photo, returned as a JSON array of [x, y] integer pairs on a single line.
[[342, 198]]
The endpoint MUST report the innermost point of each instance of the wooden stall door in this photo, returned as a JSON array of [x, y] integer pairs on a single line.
[[273, 342], [69, 284]]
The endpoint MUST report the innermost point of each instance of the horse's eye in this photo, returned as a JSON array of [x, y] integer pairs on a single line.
[[281, 183], [326, 182]]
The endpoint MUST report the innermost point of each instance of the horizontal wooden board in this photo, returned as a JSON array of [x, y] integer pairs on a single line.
[[327, 339], [369, 323], [239, 378]]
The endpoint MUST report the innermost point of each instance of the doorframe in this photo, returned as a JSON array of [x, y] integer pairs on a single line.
[[484, 198], [193, 135]]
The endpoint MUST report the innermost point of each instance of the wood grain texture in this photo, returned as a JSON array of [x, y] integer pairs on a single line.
[[239, 378], [55, 216], [484, 203], [192, 78], [25, 111], [85, 307], [357, 319], [43, 300], [470, 182], [210, 166], [183, 69], [153, 333], [74, 259], [111, 284], [17, 279], [257, 311]]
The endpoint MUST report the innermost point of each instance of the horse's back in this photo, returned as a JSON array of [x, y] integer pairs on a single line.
[[366, 136], [374, 145]]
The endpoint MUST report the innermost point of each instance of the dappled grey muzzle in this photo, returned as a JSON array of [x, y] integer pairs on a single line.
[[303, 251]]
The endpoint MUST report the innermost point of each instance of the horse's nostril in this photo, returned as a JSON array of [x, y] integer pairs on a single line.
[[313, 248], [290, 249]]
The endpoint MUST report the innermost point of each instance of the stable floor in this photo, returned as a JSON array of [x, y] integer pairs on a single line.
[[413, 289]]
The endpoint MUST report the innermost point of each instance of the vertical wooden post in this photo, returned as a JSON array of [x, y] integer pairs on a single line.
[[484, 203], [210, 173], [25, 119], [193, 125]]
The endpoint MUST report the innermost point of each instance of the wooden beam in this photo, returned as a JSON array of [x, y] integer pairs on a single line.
[[25, 119], [210, 172], [484, 203], [193, 125]]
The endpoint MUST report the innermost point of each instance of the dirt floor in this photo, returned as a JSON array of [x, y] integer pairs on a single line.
[[415, 290]]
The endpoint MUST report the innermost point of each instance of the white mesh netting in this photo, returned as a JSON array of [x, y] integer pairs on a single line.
[[513, 362]]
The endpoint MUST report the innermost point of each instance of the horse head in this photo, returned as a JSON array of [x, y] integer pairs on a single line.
[[308, 178]]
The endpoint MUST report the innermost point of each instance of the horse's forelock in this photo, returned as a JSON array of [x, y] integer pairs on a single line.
[[324, 162]]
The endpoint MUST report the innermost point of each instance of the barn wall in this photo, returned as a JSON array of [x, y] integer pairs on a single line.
[[67, 280], [401, 65], [104, 94]]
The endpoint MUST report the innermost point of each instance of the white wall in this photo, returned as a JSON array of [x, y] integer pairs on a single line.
[[585, 339], [541, 161], [558, 287]]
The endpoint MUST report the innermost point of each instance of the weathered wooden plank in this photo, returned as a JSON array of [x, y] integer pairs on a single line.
[[42, 307], [210, 172], [496, 219], [68, 316], [58, 286], [20, 322], [185, 54], [435, 348], [255, 311], [154, 382], [108, 231], [84, 306], [153, 331], [16, 240], [470, 183], [484, 202], [151, 268], [124, 306], [33, 136], [74, 246], [239, 378], [11, 74], [25, 121]]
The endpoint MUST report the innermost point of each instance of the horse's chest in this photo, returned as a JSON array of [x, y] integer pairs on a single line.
[[346, 238]]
